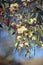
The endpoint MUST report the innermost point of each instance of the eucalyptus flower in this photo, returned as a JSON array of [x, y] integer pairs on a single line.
[[20, 16], [21, 45], [30, 34], [24, 3], [12, 6], [31, 21], [26, 44], [12, 23], [33, 37], [18, 38], [22, 29], [34, 20], [41, 47], [19, 24], [28, 0]]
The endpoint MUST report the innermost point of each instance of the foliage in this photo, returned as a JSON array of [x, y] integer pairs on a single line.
[[26, 20]]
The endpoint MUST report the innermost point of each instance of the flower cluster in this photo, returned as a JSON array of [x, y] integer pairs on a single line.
[[22, 18]]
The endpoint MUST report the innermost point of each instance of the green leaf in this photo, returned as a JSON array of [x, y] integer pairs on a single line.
[[28, 16], [38, 42], [36, 15], [2, 5], [6, 5]]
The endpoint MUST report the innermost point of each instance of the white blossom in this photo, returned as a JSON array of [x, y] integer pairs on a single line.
[[18, 38], [34, 38], [21, 45], [22, 29], [26, 43]]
